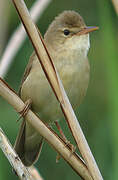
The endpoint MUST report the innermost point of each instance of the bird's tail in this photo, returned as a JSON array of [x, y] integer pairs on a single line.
[[28, 144]]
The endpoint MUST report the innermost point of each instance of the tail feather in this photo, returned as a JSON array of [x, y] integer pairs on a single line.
[[22, 145]]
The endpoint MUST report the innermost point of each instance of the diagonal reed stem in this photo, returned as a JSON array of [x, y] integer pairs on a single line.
[[58, 144], [57, 87]]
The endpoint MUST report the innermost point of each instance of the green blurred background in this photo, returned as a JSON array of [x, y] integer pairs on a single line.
[[99, 112]]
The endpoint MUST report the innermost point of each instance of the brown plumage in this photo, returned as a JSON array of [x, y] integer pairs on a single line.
[[69, 53]]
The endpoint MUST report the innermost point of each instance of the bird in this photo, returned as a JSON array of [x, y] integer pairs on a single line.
[[67, 41]]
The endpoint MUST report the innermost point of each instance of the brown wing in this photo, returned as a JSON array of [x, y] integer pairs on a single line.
[[20, 140], [27, 71], [27, 157]]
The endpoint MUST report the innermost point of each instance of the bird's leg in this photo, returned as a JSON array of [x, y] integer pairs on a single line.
[[26, 108], [71, 146], [61, 132]]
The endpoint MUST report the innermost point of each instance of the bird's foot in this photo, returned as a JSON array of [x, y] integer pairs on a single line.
[[67, 143], [26, 108], [72, 148]]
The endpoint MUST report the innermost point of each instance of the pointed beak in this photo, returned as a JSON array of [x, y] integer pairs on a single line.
[[87, 30]]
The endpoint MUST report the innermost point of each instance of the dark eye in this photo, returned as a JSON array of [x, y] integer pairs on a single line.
[[66, 32]]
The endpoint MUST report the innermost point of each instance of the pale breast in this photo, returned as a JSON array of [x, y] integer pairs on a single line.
[[75, 78]]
